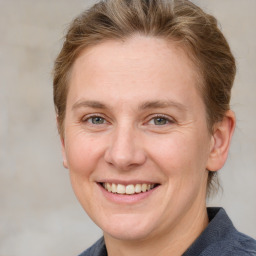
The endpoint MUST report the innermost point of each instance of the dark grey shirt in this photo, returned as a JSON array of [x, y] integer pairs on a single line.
[[220, 238]]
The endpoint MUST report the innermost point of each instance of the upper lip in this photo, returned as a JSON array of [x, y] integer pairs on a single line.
[[127, 182]]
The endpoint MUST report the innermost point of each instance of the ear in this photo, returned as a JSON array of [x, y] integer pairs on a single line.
[[62, 140], [221, 140], [64, 158]]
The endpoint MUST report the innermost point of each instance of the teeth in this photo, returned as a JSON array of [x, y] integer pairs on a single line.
[[129, 189], [120, 189], [137, 188], [144, 187], [114, 188], [109, 187]]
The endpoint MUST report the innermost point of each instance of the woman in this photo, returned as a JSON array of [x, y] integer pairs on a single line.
[[142, 91]]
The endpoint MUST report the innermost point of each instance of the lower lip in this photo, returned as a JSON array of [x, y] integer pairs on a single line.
[[127, 199]]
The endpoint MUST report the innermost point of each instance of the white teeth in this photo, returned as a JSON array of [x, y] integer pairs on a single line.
[[129, 189], [144, 187], [114, 188], [137, 188], [109, 187], [120, 189]]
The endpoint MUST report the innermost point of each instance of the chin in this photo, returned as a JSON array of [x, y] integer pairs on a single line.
[[128, 228], [128, 235]]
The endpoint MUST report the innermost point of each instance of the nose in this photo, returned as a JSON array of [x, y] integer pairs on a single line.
[[125, 150]]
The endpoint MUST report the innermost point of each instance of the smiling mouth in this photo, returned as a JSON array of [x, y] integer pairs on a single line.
[[129, 189]]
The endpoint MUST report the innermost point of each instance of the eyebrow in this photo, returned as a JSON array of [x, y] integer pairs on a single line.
[[162, 104], [145, 105], [89, 103]]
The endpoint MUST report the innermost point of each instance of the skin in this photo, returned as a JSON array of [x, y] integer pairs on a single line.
[[112, 133]]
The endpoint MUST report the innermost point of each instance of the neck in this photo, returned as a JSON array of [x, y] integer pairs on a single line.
[[174, 242]]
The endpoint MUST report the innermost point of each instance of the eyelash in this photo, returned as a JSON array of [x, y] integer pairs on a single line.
[[166, 119], [161, 116], [87, 118]]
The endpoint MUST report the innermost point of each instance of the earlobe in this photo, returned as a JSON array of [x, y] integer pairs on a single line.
[[221, 140], [65, 164]]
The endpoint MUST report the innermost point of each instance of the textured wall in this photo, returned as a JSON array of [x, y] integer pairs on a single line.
[[39, 214]]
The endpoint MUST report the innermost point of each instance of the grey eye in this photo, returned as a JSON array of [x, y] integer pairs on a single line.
[[160, 121], [97, 120]]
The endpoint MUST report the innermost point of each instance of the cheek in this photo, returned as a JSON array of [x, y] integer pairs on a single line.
[[82, 154], [180, 153]]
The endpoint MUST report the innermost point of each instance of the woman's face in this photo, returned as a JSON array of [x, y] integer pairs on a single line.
[[135, 121]]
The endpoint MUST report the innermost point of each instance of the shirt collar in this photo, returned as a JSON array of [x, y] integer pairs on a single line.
[[218, 228]]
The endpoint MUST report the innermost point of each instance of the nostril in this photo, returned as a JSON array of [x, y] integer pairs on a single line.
[[124, 151]]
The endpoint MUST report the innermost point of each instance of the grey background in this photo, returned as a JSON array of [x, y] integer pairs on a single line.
[[39, 214]]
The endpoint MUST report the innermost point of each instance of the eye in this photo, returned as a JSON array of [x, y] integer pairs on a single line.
[[95, 120], [160, 120]]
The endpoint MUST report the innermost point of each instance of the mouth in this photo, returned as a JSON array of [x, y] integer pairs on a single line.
[[129, 189]]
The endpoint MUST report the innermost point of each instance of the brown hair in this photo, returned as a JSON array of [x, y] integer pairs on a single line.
[[176, 20]]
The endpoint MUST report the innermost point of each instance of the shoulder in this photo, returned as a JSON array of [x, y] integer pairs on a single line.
[[97, 249], [221, 238], [235, 244], [244, 244], [227, 241]]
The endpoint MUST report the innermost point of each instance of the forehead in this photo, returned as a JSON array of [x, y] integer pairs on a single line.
[[139, 50], [138, 66]]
